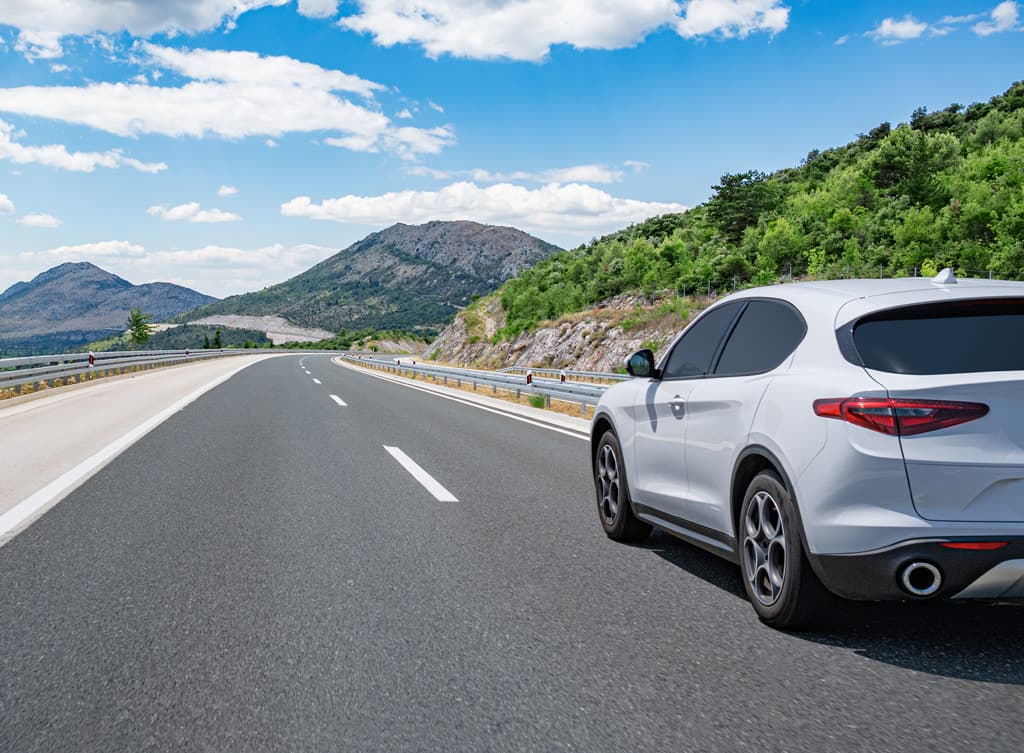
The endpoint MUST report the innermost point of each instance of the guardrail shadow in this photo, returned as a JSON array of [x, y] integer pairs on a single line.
[[966, 641]]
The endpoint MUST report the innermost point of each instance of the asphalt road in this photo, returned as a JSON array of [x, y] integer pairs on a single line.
[[260, 574]]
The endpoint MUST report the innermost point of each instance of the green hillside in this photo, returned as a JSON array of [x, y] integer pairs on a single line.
[[945, 189]]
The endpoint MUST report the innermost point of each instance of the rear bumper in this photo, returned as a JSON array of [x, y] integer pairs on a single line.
[[966, 574]]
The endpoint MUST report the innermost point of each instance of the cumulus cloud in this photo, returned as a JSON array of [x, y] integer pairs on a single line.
[[6, 205], [59, 68], [231, 95], [58, 156], [318, 8], [570, 208], [732, 18], [1003, 18], [43, 23], [227, 191], [191, 212], [39, 220], [217, 270], [891, 31], [527, 29], [404, 114]]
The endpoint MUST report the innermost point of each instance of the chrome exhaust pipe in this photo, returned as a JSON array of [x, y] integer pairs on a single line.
[[920, 579]]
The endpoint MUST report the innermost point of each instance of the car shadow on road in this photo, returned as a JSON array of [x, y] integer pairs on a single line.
[[968, 641]]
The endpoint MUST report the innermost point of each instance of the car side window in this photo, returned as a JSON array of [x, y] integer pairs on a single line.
[[694, 354], [765, 336]]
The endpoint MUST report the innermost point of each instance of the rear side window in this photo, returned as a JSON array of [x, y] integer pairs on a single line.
[[693, 354], [958, 337], [765, 336]]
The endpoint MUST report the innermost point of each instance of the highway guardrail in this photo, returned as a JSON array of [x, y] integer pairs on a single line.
[[549, 389], [570, 374], [16, 372]]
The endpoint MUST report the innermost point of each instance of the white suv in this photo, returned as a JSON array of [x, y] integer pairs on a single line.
[[863, 438]]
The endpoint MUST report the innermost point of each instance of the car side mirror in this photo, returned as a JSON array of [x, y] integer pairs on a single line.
[[641, 364]]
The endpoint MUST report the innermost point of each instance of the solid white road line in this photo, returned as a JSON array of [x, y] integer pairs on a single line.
[[428, 482], [316, 381], [22, 514], [338, 400], [471, 403]]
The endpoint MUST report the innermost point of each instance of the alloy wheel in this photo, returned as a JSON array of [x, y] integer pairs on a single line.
[[608, 480], [764, 548]]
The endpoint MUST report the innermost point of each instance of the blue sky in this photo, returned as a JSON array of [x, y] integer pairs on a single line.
[[230, 144]]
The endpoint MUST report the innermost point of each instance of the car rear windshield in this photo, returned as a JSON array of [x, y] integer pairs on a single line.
[[944, 338]]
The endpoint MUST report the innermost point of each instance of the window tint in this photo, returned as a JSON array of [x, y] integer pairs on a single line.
[[946, 338], [765, 336], [693, 354]]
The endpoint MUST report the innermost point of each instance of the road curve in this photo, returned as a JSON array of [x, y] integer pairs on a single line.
[[260, 573]]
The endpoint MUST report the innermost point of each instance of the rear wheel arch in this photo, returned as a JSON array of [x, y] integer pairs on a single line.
[[602, 423], [751, 462]]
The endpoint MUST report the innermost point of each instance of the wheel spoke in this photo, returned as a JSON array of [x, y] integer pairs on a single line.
[[764, 548]]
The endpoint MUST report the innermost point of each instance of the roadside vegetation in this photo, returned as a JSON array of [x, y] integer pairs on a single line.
[[945, 189], [365, 339], [192, 336]]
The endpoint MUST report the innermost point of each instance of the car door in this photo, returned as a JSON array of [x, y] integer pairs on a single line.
[[660, 413], [721, 408]]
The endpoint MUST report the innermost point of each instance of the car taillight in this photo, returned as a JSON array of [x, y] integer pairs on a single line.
[[899, 417]]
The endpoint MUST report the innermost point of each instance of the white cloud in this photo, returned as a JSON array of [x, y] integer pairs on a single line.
[[227, 191], [271, 144], [573, 174], [636, 166], [85, 252], [404, 114], [434, 106], [1003, 18], [192, 212], [39, 220], [891, 31], [733, 18], [428, 172], [43, 23], [6, 205], [573, 208], [230, 95], [960, 19], [842, 40], [58, 68], [39, 45], [527, 29], [57, 155], [318, 8], [216, 270]]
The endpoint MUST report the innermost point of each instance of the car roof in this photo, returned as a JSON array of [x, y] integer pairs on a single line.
[[868, 295]]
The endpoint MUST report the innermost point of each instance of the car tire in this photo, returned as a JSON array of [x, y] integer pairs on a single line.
[[777, 575], [614, 506]]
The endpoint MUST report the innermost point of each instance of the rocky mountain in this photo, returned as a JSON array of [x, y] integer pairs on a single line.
[[409, 277], [78, 302], [598, 339]]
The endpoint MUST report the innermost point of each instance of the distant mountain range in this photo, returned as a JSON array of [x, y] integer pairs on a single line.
[[75, 303], [408, 277]]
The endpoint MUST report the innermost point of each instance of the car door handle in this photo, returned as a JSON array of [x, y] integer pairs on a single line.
[[677, 403]]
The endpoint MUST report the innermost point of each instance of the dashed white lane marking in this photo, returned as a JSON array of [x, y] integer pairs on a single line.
[[24, 513], [426, 480], [316, 381], [338, 400]]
